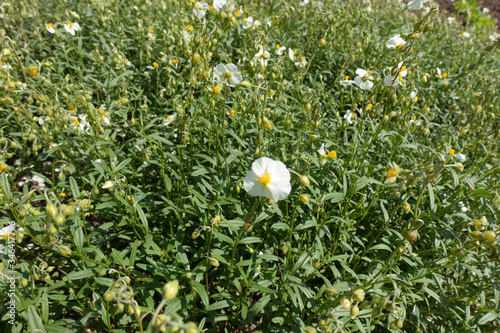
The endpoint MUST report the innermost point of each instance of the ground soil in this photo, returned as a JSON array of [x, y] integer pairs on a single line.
[[492, 5]]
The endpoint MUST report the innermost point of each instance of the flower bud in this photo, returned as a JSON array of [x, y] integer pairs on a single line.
[[171, 289], [476, 234], [406, 207], [359, 295], [266, 123], [346, 303], [412, 236], [109, 185], [109, 295], [214, 262], [51, 210], [459, 167], [245, 84], [310, 329], [59, 220], [330, 291], [67, 210], [304, 198], [354, 311], [489, 236], [304, 180]]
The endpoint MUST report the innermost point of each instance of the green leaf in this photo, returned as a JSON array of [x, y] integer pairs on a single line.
[[6, 186], [481, 193], [217, 306], [142, 217], [431, 197], [79, 275], [200, 290], [74, 187], [487, 318], [34, 321], [250, 240]]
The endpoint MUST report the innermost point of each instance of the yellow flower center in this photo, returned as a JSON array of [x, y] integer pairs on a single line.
[[150, 31], [211, 7], [232, 113], [176, 61], [155, 64], [169, 117], [403, 68], [75, 121], [191, 28], [346, 77], [444, 75], [332, 154], [452, 152], [216, 90], [390, 173], [246, 20], [49, 25], [399, 45], [265, 179], [63, 195], [369, 106], [71, 25], [278, 46], [294, 52], [7, 235]]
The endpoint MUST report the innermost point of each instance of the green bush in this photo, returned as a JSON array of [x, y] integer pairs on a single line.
[[128, 176]]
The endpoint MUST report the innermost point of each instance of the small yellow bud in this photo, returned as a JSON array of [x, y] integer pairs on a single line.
[[304, 198], [489, 236], [330, 291], [304, 180], [214, 262], [354, 311], [359, 295], [171, 289], [110, 185], [346, 303], [51, 210]]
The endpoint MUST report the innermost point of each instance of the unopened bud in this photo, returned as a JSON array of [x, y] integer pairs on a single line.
[[354, 311], [304, 180], [359, 295], [330, 291], [171, 289]]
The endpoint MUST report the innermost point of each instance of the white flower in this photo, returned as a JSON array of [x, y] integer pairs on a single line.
[[460, 157], [413, 94], [466, 34], [268, 178], [390, 80], [280, 49], [50, 28], [185, 35], [218, 4], [262, 56], [72, 27], [247, 22], [256, 23], [105, 122], [8, 231], [323, 154], [139, 145], [494, 37], [349, 116], [228, 74], [169, 120], [485, 10], [303, 3], [42, 120], [395, 42], [416, 4], [200, 8], [363, 79], [291, 54], [463, 208], [451, 19], [454, 95], [79, 123], [302, 63]]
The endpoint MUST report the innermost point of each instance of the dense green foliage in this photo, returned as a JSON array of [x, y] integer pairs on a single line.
[[123, 159]]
